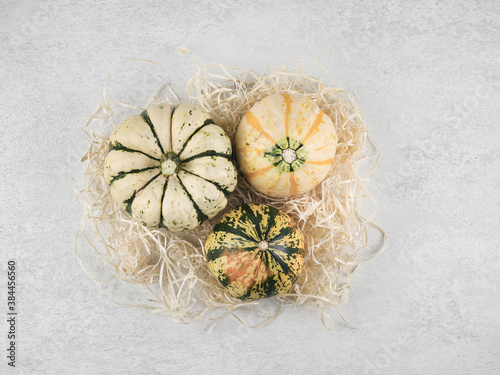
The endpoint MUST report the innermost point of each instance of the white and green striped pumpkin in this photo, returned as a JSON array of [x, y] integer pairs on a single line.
[[170, 166]]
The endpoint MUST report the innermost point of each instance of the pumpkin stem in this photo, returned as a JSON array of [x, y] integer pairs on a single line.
[[289, 155], [263, 245], [170, 163]]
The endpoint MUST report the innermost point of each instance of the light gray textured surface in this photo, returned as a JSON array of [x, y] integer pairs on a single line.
[[426, 75]]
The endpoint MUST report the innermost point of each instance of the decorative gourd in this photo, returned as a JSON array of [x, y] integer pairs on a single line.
[[255, 251], [285, 145], [170, 166]]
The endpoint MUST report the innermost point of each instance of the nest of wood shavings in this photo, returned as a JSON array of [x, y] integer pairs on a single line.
[[172, 266]]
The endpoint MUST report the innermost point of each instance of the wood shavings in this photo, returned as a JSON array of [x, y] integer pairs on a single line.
[[172, 266]]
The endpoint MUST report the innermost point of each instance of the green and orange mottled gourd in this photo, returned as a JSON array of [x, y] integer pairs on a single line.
[[255, 251]]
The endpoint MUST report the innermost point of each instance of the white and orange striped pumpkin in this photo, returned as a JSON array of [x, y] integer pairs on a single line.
[[285, 145]]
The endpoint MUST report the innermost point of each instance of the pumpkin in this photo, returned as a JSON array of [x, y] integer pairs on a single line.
[[170, 166], [285, 145], [255, 251]]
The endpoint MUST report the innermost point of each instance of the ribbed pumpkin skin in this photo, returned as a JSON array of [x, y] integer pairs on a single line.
[[170, 166], [247, 271], [285, 145]]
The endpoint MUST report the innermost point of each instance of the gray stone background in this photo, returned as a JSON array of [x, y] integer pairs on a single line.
[[426, 76]]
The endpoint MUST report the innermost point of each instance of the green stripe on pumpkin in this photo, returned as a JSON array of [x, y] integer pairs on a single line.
[[229, 229], [219, 251], [161, 201], [251, 216], [207, 153], [129, 201], [147, 120], [285, 231], [289, 250], [218, 186], [122, 174], [278, 260], [273, 212], [207, 122], [118, 146], [201, 216]]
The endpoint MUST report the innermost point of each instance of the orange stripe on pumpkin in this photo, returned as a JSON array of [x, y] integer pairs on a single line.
[[293, 184], [325, 146], [288, 110], [320, 162], [247, 150], [273, 186], [254, 123], [314, 127], [258, 172]]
